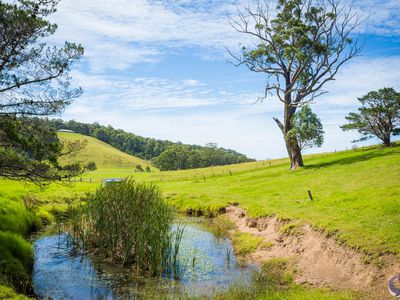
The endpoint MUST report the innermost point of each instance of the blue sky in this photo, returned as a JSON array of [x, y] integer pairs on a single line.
[[159, 69]]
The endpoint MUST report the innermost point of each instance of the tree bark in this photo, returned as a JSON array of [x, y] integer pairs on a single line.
[[292, 145], [296, 158], [386, 141]]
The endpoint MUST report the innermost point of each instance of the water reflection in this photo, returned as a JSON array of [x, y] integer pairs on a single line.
[[208, 263]]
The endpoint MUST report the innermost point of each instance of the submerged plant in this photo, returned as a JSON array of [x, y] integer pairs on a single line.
[[129, 223]]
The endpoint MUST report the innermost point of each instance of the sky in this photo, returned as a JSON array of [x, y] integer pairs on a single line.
[[160, 69]]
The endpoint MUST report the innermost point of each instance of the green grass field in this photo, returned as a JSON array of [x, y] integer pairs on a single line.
[[356, 193], [106, 156]]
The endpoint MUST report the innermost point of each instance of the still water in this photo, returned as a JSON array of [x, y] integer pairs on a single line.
[[208, 266]]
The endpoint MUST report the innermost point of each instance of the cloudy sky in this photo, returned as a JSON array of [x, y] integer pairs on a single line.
[[158, 68]]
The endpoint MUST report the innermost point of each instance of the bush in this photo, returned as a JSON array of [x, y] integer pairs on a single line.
[[91, 166], [129, 223], [139, 168]]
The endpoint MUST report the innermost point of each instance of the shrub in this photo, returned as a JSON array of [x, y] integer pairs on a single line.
[[91, 166], [128, 223], [139, 168]]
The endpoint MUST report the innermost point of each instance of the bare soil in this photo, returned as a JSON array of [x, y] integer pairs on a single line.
[[322, 261]]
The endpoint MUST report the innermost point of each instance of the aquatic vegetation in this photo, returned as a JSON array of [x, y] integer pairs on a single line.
[[220, 226], [59, 269], [129, 223]]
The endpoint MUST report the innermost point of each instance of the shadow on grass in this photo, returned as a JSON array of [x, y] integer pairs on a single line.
[[359, 155]]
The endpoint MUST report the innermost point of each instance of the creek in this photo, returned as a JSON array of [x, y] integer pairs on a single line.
[[208, 265]]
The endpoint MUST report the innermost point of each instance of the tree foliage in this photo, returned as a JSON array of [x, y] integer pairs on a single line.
[[300, 46], [34, 81], [378, 116], [182, 157], [307, 128], [166, 155]]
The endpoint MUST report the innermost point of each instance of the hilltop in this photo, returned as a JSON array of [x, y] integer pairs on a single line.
[[104, 155], [165, 155]]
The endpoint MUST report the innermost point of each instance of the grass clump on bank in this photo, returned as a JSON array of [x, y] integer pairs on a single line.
[[16, 261], [292, 228], [244, 243], [129, 223], [9, 294], [17, 219]]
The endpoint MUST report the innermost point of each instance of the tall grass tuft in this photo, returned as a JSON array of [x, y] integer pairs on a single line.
[[129, 223]]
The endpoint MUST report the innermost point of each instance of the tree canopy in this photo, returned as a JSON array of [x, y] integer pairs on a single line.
[[378, 116], [307, 128], [166, 155], [34, 81], [300, 45]]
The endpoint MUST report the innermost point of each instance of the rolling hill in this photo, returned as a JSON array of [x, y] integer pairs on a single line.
[[104, 155]]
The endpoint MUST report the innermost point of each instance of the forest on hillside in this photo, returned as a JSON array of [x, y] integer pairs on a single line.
[[165, 155]]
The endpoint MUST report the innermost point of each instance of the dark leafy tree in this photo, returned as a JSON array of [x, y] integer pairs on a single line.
[[34, 81], [378, 116], [300, 46], [30, 150], [164, 154], [139, 168], [307, 128], [91, 166]]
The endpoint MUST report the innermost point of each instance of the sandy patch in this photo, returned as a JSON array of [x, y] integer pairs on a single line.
[[321, 260]]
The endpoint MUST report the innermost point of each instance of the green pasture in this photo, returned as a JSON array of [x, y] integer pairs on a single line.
[[356, 197]]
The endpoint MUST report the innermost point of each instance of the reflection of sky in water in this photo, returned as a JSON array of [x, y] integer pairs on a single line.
[[208, 263]]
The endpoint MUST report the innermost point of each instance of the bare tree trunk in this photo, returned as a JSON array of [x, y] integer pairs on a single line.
[[292, 145], [296, 159], [386, 141]]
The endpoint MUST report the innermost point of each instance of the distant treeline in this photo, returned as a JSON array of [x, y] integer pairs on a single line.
[[165, 155]]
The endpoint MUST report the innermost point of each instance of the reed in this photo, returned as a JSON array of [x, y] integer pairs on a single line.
[[129, 223]]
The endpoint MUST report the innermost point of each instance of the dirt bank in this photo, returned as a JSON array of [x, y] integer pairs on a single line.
[[321, 260]]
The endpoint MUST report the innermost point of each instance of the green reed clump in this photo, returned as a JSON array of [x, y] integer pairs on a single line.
[[128, 223]]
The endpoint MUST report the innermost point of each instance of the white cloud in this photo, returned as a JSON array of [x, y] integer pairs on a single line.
[[138, 93], [118, 34], [361, 76], [383, 17]]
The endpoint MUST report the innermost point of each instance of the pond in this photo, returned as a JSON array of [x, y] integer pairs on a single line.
[[208, 266]]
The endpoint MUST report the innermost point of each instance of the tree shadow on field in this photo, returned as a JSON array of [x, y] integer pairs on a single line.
[[360, 156]]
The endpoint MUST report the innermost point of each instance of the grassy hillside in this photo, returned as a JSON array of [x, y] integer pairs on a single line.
[[356, 194], [104, 155]]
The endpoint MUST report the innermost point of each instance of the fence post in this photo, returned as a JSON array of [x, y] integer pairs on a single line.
[[310, 195]]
